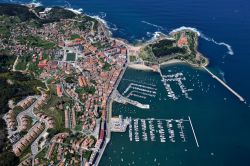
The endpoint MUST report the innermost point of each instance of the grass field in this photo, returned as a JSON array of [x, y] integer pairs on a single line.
[[71, 57]]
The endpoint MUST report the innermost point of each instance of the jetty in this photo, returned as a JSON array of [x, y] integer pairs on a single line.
[[193, 131], [224, 84], [116, 96]]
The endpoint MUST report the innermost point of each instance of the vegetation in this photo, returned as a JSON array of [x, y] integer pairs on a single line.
[[4, 31], [132, 58], [41, 155], [106, 66], [23, 85], [70, 79], [35, 41], [166, 47], [22, 62], [147, 54], [74, 36], [87, 90], [6, 61], [52, 108], [86, 154], [71, 57], [20, 11], [57, 13]]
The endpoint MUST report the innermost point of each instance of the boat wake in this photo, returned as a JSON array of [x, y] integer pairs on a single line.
[[68, 5], [222, 74], [200, 34]]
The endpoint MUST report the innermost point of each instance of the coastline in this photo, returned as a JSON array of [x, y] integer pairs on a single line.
[[132, 48], [172, 61], [140, 67]]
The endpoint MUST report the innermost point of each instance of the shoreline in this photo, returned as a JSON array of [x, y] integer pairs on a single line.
[[172, 61], [140, 67], [132, 49]]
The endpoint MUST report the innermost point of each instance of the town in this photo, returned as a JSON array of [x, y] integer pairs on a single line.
[[80, 66]]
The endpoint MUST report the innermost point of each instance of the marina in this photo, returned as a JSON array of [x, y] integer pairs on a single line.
[[140, 90], [177, 78], [160, 130]]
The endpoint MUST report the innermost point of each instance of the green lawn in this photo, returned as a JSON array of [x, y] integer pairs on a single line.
[[132, 58], [74, 36], [71, 57], [106, 67]]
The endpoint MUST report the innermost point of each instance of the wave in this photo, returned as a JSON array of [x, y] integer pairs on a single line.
[[186, 28], [154, 25], [113, 27], [149, 34], [200, 34], [155, 35], [33, 3], [100, 19], [103, 15], [229, 48], [76, 11]]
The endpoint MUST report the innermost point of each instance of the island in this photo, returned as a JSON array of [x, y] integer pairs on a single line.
[[59, 71]]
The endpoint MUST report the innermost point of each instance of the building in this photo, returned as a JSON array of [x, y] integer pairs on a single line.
[[59, 90]]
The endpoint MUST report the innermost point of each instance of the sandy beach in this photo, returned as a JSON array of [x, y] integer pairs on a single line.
[[140, 67], [172, 61]]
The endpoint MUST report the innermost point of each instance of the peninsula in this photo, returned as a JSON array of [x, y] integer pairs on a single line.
[[60, 71]]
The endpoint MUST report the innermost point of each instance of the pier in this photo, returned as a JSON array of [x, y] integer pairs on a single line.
[[116, 96], [193, 131], [225, 85]]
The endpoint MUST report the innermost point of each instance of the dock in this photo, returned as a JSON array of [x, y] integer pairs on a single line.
[[193, 131], [116, 96], [225, 85]]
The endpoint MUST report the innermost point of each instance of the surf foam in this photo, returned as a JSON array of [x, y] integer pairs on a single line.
[[33, 3], [200, 34], [229, 48], [76, 11]]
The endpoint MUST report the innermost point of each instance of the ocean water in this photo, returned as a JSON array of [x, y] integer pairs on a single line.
[[220, 121]]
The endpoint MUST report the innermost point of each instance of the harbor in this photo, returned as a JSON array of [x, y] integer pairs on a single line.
[[164, 131]]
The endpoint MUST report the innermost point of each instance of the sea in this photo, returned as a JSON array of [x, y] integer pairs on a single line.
[[207, 125]]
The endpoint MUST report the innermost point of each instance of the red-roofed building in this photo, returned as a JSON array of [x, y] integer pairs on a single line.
[[102, 134], [82, 81], [41, 56], [124, 51], [42, 63], [182, 41], [59, 90]]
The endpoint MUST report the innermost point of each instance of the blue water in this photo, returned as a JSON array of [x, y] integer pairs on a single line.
[[222, 125], [225, 21]]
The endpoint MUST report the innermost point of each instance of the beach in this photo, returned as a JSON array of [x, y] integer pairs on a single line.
[[140, 67]]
